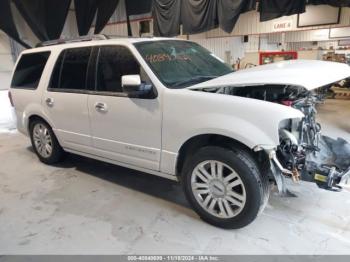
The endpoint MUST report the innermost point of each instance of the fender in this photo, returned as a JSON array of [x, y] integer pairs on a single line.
[[34, 109], [253, 122], [189, 113]]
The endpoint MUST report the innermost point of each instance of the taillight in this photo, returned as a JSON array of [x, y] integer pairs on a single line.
[[10, 97]]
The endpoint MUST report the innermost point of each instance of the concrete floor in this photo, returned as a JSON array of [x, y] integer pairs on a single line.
[[334, 117], [88, 207], [7, 113]]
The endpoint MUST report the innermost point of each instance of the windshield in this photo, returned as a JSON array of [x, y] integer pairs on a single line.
[[179, 64]]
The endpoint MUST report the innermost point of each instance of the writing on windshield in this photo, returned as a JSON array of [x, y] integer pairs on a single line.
[[158, 58]]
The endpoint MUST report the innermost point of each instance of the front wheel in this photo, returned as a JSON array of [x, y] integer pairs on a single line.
[[225, 187]]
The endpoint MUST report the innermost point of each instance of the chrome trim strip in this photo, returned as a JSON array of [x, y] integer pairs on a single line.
[[152, 172]]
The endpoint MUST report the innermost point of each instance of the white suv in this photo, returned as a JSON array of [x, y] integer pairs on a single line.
[[153, 105]]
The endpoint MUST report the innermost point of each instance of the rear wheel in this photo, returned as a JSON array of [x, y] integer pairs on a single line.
[[225, 187], [45, 143]]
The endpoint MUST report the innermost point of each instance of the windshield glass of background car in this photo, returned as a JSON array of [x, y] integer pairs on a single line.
[[179, 64]]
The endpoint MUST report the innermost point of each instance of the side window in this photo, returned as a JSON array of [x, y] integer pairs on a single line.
[[114, 62], [29, 70], [71, 67]]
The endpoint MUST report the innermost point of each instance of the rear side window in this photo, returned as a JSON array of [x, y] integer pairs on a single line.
[[29, 70], [70, 71]]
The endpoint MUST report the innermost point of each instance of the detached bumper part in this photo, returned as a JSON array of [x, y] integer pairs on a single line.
[[346, 177], [280, 173], [273, 157], [330, 178]]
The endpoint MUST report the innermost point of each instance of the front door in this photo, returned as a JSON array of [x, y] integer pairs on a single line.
[[124, 129], [65, 101]]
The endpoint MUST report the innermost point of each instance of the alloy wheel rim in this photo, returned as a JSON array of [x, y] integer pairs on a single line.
[[218, 189], [42, 140]]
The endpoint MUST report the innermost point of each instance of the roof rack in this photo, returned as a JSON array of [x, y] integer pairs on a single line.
[[126, 36], [72, 40]]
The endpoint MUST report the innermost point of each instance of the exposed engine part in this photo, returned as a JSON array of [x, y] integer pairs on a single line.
[[295, 175], [327, 169], [279, 174], [286, 135], [309, 129], [275, 160], [272, 93], [290, 154]]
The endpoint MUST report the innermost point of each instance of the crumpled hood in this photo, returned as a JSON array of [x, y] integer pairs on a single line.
[[309, 74]]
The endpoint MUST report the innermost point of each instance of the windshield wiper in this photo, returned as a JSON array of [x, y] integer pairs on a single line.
[[192, 81]]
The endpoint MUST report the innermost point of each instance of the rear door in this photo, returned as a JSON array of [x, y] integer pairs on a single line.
[[65, 100], [124, 129], [27, 77]]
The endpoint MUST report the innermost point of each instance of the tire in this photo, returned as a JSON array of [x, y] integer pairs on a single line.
[[41, 134], [247, 197]]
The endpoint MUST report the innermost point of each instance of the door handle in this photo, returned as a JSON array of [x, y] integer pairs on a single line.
[[49, 101], [101, 107]]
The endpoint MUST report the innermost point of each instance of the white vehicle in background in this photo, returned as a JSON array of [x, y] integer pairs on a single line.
[[161, 106]]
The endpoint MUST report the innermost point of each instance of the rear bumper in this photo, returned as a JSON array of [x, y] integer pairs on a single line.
[[22, 123]]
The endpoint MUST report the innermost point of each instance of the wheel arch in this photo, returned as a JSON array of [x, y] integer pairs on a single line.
[[33, 117], [196, 142]]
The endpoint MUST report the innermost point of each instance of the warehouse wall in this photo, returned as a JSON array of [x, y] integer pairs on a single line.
[[249, 23], [24, 30], [311, 45], [70, 28], [6, 64], [228, 48], [120, 28], [117, 24], [231, 48]]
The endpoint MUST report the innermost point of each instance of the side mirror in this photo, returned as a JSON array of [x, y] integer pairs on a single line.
[[132, 86]]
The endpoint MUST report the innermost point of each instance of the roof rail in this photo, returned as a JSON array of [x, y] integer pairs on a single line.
[[126, 36], [73, 40]]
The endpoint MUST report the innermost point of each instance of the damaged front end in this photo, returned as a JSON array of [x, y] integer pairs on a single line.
[[303, 154], [293, 161], [298, 164]]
